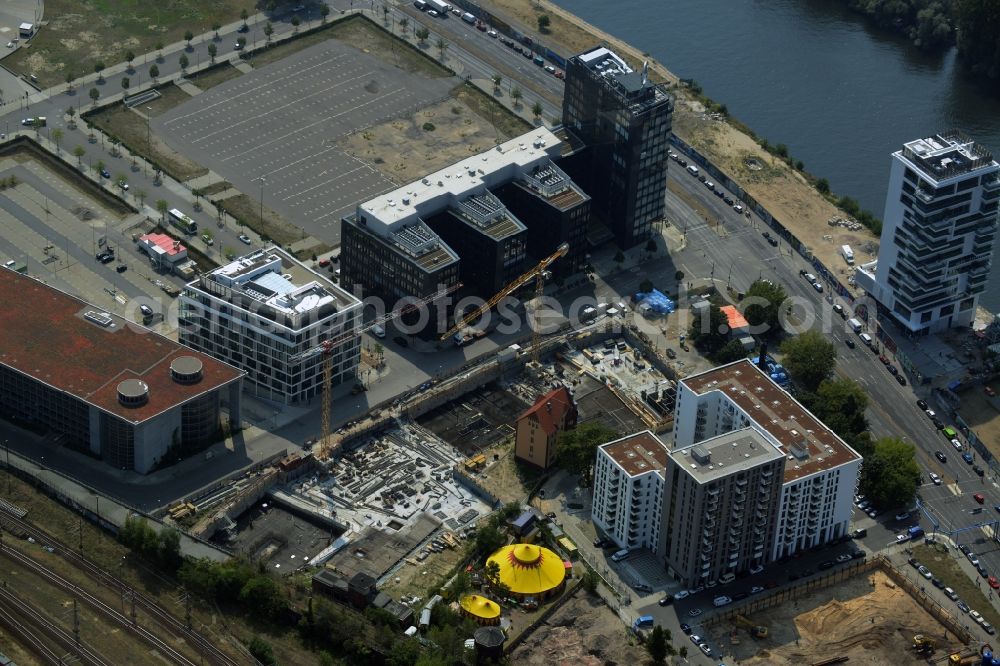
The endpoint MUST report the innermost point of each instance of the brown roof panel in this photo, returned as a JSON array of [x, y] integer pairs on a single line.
[[638, 453], [44, 335], [812, 445]]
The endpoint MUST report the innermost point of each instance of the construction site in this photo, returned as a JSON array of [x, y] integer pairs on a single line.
[[865, 619]]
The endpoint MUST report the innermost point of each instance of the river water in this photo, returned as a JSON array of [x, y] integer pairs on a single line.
[[840, 93]]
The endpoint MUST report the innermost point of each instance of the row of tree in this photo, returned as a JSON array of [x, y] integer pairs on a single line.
[[934, 24]]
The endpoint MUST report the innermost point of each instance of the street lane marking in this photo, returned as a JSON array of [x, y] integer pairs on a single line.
[[955, 490]]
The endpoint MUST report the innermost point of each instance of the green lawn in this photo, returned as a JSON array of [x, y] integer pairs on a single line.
[[75, 34]]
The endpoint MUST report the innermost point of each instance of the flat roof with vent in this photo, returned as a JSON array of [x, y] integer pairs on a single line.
[[471, 176], [811, 446], [46, 334], [728, 453], [639, 453]]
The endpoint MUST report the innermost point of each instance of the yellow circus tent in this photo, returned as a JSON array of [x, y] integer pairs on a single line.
[[482, 610], [529, 570]]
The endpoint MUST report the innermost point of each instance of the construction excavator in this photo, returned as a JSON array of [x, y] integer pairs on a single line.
[[757, 631], [924, 644], [538, 274], [328, 347]]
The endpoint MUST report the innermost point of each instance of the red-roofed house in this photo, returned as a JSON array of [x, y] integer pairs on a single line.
[[539, 427], [166, 253], [105, 384]]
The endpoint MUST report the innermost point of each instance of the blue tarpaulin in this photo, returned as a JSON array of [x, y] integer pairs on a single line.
[[655, 301]]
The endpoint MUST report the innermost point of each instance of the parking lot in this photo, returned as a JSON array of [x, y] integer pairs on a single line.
[[54, 227], [281, 123]]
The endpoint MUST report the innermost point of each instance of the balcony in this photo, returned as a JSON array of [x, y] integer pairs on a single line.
[[924, 196], [991, 185]]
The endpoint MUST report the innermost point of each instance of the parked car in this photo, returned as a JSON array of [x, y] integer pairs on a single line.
[[245, 239], [935, 479], [979, 498], [686, 628], [922, 405]]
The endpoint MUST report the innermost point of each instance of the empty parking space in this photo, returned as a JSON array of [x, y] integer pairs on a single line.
[[279, 126]]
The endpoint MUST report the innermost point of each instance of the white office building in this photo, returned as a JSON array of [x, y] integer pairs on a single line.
[[628, 490], [820, 472], [937, 235], [263, 312]]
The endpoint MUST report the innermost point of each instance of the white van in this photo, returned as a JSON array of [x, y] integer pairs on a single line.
[[855, 325], [693, 170], [726, 579], [865, 338], [620, 555]]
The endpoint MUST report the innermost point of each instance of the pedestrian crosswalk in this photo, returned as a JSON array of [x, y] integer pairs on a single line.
[[955, 490]]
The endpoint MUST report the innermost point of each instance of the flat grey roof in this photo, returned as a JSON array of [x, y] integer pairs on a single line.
[[728, 453]]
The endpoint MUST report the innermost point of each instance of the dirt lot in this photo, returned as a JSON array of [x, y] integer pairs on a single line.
[[777, 187], [78, 33], [504, 478], [584, 632], [417, 578], [404, 150], [868, 619]]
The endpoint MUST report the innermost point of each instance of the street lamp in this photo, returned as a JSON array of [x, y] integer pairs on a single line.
[[262, 202]]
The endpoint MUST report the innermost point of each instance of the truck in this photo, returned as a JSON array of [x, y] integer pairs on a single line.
[[848, 254], [855, 325], [915, 532], [469, 18], [438, 6], [467, 335]]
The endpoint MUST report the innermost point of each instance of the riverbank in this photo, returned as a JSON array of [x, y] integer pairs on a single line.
[[779, 188]]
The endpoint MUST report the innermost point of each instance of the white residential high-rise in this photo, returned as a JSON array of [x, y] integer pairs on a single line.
[[628, 489], [938, 231], [821, 470], [721, 502], [261, 312]]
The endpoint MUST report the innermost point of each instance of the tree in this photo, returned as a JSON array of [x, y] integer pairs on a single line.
[[161, 208], [99, 167], [442, 46], [268, 31], [422, 34], [516, 95], [79, 152], [188, 36], [497, 79], [154, 71], [262, 596], [69, 80], [809, 358], [978, 23], [385, 14], [183, 60], [57, 135], [841, 405], [129, 57], [215, 27], [212, 50], [731, 351], [762, 306], [94, 94], [576, 448], [823, 186], [488, 540], [324, 11], [169, 549], [262, 651], [679, 275], [295, 24], [141, 196], [890, 473], [651, 245], [99, 70], [404, 24], [646, 286], [244, 15], [590, 581], [125, 85], [656, 645], [682, 652], [710, 333], [543, 23], [536, 110]]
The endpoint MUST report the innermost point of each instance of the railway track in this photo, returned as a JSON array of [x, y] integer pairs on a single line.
[[204, 646], [37, 646], [11, 605]]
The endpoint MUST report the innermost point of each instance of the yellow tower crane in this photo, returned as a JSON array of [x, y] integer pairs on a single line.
[[537, 273], [327, 348]]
